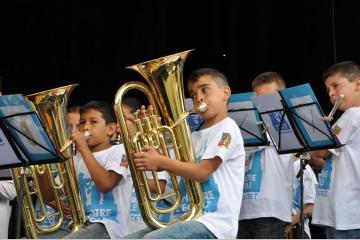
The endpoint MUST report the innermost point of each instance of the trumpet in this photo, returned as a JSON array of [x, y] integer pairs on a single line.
[[334, 109]]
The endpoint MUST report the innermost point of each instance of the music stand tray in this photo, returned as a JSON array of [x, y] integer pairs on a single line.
[[23, 138], [246, 116], [243, 112], [296, 124], [295, 120]]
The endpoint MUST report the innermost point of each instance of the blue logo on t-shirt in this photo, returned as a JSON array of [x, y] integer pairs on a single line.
[[325, 178], [211, 192], [211, 195], [253, 176], [297, 195], [99, 205], [135, 215], [181, 210]]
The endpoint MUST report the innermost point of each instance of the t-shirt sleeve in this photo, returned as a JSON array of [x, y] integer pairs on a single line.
[[223, 143], [310, 183], [345, 129], [117, 161]]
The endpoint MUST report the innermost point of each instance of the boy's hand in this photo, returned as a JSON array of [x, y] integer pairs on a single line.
[[130, 124], [288, 228], [140, 114], [80, 140], [64, 206], [148, 159]]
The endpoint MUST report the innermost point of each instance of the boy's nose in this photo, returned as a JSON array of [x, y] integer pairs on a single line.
[[86, 126], [199, 99], [331, 92]]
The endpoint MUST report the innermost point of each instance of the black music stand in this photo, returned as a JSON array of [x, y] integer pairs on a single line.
[[23, 141], [296, 124], [246, 116]]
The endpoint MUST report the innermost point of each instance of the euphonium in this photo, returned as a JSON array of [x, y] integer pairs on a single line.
[[51, 107], [165, 94]]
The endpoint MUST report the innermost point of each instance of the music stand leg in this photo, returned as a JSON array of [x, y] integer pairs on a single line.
[[304, 159]]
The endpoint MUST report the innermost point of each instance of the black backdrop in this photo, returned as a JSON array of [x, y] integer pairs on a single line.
[[47, 44]]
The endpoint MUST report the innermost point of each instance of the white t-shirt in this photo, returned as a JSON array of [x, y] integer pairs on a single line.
[[310, 182], [136, 222], [111, 208], [223, 190], [184, 205], [7, 192], [268, 185], [337, 202]]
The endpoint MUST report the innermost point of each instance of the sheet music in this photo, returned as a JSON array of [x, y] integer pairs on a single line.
[[272, 112], [7, 154], [312, 115], [243, 111], [20, 125], [27, 125], [316, 131]]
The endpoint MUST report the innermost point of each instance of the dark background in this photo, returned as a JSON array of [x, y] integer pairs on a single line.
[[50, 44]]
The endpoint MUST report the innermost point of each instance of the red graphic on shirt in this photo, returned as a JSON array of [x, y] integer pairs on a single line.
[[337, 130], [225, 140]]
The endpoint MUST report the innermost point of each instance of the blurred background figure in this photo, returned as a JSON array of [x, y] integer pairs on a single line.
[[73, 114]]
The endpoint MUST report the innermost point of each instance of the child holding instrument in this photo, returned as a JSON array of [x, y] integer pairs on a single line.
[[337, 201]]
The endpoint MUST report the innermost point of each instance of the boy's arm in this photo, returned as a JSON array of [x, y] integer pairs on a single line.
[[320, 153], [150, 159], [296, 218], [105, 180], [153, 187]]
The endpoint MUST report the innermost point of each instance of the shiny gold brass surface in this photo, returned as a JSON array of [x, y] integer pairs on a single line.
[[164, 90], [51, 108]]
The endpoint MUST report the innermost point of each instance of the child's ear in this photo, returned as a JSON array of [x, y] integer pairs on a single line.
[[227, 92], [111, 129], [357, 82]]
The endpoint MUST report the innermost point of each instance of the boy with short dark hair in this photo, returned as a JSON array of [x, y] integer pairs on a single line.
[[101, 170], [219, 163], [267, 197], [337, 201]]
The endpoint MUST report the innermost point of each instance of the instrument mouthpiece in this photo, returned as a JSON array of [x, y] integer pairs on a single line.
[[87, 135], [202, 107]]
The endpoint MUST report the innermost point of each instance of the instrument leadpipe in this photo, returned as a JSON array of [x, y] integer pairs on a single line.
[[336, 105]]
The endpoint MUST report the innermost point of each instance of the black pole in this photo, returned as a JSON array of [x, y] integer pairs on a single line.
[[304, 159]]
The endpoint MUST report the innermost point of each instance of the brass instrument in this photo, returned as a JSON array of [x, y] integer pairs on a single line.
[[165, 94], [329, 117], [51, 107]]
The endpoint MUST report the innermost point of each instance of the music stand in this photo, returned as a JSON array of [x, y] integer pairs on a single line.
[[246, 116], [244, 113], [296, 124], [5, 174], [23, 141]]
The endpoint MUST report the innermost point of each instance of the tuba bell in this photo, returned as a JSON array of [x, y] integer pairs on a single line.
[[51, 107], [164, 90]]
